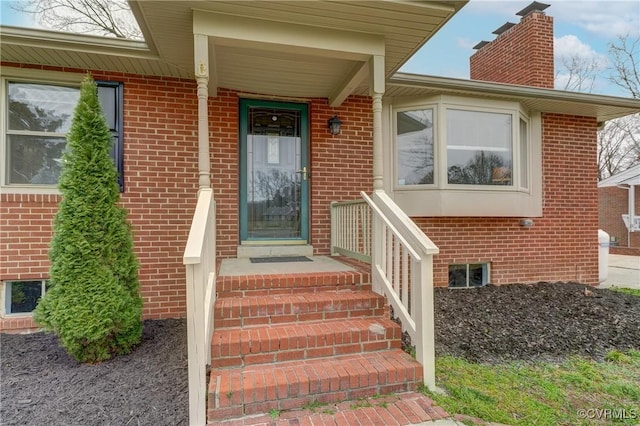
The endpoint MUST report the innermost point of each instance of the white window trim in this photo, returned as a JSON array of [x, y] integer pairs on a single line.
[[442, 141], [486, 266], [4, 286], [27, 75], [434, 108], [443, 199]]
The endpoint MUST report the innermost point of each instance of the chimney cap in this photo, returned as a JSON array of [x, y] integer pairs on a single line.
[[533, 7], [504, 28], [480, 45]]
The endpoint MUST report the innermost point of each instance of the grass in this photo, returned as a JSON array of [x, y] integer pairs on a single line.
[[577, 392], [315, 405], [631, 291], [274, 413]]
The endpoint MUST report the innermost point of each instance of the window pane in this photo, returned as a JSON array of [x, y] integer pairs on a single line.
[[34, 159], [108, 99], [479, 148], [41, 108], [414, 144], [524, 154], [477, 275], [24, 295], [457, 275]]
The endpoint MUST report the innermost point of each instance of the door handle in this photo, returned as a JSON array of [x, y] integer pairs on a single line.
[[305, 173]]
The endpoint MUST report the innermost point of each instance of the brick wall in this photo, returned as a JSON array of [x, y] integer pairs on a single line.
[[341, 165], [562, 245], [160, 167], [521, 55], [613, 202]]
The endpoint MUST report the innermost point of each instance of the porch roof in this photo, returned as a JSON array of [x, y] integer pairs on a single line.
[[631, 176], [401, 27], [603, 107]]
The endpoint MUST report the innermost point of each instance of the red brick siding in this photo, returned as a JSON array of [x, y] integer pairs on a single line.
[[562, 245], [161, 185], [613, 203], [521, 55], [341, 165], [160, 167], [223, 134], [160, 128]]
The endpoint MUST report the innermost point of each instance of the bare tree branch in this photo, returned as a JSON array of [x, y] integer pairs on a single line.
[[625, 57], [102, 17], [580, 73]]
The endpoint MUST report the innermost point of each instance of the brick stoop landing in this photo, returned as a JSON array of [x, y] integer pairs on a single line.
[[292, 340], [403, 409]]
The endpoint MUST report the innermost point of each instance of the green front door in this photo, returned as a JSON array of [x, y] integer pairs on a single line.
[[274, 172]]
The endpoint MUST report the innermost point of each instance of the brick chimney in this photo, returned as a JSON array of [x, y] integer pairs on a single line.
[[521, 53]]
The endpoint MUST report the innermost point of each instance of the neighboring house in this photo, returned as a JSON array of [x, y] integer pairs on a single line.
[[498, 171], [619, 210]]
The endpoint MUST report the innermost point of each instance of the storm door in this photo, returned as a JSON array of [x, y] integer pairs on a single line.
[[274, 172]]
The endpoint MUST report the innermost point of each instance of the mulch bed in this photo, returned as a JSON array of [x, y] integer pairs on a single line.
[[41, 385], [544, 321]]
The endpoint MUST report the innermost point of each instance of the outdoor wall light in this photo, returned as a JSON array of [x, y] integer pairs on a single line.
[[334, 124], [527, 223]]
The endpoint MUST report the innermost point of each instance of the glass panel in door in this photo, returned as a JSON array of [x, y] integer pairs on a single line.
[[275, 180]]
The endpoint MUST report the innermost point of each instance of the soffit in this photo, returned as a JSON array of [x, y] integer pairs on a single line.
[[54, 48], [403, 85], [630, 176]]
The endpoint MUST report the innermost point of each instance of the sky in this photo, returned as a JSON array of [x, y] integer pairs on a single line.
[[582, 27]]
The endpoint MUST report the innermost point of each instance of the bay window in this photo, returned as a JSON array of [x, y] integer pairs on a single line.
[[455, 156]]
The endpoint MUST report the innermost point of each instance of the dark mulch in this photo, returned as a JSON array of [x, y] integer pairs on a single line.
[[41, 385], [544, 321]]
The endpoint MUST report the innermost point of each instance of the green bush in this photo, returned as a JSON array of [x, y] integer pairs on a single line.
[[93, 303]]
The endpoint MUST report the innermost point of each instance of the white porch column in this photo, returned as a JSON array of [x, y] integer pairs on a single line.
[[201, 61], [377, 90], [632, 210]]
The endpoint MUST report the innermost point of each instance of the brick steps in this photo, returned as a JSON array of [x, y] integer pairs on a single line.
[[261, 285], [289, 385], [278, 343], [288, 340], [277, 309]]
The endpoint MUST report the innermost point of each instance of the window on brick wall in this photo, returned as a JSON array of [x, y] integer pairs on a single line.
[[456, 156], [21, 297], [468, 275], [38, 117], [473, 147]]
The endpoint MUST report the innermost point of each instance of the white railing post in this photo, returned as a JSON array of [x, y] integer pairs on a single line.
[[334, 228], [425, 321], [200, 260]]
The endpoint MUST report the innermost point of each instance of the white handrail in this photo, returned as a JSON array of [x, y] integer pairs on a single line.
[[402, 270], [200, 263]]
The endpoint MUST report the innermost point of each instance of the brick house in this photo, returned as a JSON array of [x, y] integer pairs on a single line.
[[618, 210], [221, 124]]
